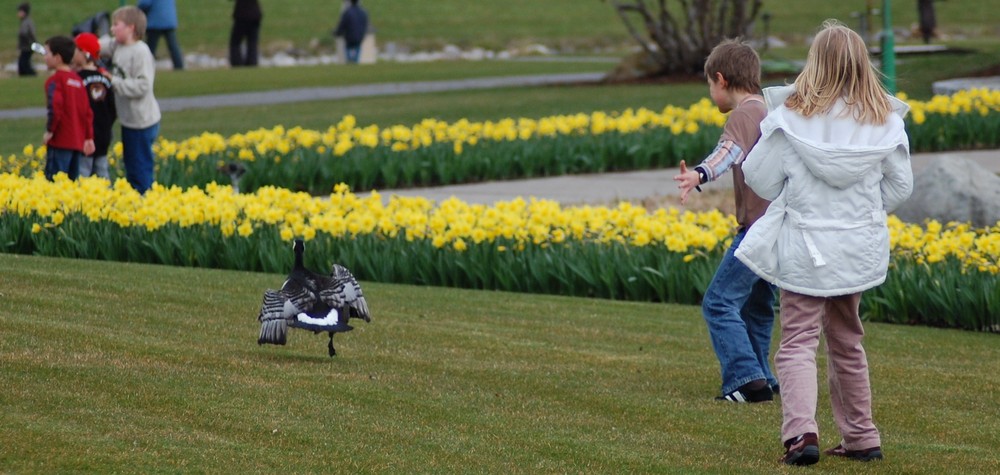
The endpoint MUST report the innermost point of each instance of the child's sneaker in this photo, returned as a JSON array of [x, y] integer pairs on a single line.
[[866, 455], [802, 450], [745, 394]]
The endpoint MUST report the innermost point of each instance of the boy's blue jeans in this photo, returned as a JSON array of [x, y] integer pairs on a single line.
[[137, 149], [62, 160], [739, 310]]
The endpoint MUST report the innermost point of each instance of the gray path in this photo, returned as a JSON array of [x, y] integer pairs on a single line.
[[307, 94], [609, 187]]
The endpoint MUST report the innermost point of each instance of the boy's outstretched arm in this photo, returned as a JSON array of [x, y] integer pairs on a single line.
[[687, 180], [726, 154]]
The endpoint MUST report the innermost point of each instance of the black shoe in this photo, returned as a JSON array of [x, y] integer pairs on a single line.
[[744, 394], [802, 450], [866, 455]]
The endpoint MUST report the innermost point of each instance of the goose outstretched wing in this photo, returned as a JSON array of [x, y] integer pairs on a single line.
[[343, 291], [273, 319]]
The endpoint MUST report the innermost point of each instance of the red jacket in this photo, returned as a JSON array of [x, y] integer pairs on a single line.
[[69, 116]]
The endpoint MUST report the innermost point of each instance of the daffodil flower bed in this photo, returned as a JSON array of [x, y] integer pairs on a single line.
[[435, 152], [965, 120], [431, 152], [941, 275]]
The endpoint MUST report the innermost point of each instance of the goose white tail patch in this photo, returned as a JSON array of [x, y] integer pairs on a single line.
[[331, 318]]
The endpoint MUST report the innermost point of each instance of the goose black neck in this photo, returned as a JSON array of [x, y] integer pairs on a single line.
[[298, 247]]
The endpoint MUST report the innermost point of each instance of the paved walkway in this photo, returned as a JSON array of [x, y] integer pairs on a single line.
[[609, 187]]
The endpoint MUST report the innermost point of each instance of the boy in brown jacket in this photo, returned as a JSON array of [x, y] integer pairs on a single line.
[[738, 305]]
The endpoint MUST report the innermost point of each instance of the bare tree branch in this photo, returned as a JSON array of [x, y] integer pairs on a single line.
[[622, 9], [679, 34]]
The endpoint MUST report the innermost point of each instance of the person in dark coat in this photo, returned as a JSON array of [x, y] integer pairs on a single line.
[[245, 35], [25, 37], [352, 26], [928, 22]]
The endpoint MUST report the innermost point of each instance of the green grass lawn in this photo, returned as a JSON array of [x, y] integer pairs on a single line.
[[136, 368], [28, 92]]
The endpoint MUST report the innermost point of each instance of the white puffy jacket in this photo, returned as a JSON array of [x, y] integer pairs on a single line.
[[831, 181]]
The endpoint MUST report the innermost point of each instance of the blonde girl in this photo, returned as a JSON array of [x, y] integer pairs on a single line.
[[834, 159]]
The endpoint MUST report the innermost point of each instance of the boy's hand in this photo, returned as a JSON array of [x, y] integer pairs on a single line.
[[88, 147], [686, 181], [46, 136]]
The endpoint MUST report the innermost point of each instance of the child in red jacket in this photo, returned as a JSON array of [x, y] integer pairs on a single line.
[[69, 131]]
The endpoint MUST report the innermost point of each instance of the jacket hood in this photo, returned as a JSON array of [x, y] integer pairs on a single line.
[[834, 146]]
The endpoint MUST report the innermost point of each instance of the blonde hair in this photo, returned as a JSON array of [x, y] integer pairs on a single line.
[[131, 15], [738, 63], [838, 68]]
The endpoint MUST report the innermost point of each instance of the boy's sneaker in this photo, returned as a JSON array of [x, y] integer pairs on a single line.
[[745, 394], [866, 455], [802, 450]]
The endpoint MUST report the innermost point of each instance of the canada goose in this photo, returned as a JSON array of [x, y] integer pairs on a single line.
[[311, 301]]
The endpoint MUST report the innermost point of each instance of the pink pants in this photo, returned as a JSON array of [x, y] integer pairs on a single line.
[[802, 317]]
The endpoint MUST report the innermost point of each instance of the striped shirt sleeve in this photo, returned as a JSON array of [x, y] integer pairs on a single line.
[[725, 156]]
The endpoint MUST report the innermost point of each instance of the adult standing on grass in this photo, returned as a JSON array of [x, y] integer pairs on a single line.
[[352, 26], [834, 158], [928, 22], [245, 35], [161, 21], [738, 305], [132, 82], [25, 37]]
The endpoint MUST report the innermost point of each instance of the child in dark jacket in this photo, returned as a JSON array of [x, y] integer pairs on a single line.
[[102, 103], [69, 132]]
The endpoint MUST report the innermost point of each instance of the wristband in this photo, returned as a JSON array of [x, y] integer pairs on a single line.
[[702, 177]]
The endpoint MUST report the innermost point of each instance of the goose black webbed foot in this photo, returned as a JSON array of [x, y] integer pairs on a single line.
[[329, 346]]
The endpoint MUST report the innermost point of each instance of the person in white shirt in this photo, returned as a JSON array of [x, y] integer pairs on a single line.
[[132, 77]]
